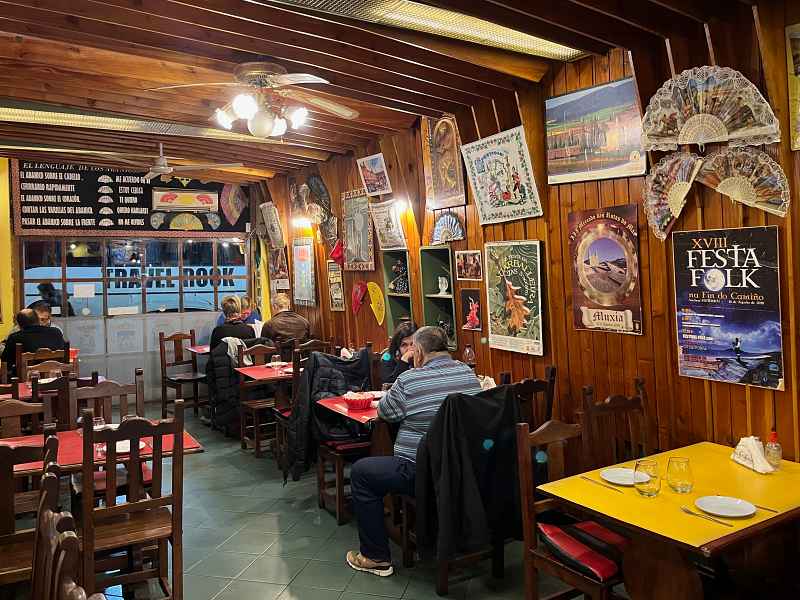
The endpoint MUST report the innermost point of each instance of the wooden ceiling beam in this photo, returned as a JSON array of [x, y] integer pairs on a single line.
[[692, 9], [652, 18], [526, 23]]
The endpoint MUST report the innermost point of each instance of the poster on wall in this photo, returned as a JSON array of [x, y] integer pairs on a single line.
[[272, 222], [727, 298], [793, 63], [303, 267], [469, 265], [374, 175], [386, 217], [441, 161], [471, 309], [336, 286], [595, 133], [501, 177], [278, 269], [357, 235], [604, 250], [514, 296]]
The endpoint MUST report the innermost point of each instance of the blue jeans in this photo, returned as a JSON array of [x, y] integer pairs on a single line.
[[370, 480]]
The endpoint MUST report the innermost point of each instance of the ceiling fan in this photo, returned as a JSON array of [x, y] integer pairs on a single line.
[[161, 167], [271, 103]]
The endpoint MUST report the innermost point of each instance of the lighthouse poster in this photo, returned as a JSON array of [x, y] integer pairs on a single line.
[[606, 292], [727, 299]]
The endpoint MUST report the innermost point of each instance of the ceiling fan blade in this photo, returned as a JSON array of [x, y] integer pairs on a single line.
[[151, 175], [296, 79], [208, 166], [189, 85], [340, 110]]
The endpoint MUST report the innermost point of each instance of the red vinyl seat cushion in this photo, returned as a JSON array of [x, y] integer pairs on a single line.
[[566, 545]]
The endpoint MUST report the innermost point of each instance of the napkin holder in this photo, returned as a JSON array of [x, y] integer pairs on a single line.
[[750, 453]]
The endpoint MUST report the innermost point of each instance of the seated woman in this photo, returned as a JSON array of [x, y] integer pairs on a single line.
[[233, 325], [399, 357]]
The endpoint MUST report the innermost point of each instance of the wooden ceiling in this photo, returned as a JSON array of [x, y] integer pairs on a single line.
[[104, 55]]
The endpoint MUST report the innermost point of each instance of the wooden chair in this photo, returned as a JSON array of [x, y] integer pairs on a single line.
[[176, 380], [616, 429], [536, 396], [282, 412], [57, 392], [553, 436], [142, 519], [26, 502], [49, 525], [14, 413], [50, 368], [67, 570], [16, 546], [10, 389], [253, 412], [25, 359], [306, 348], [337, 455]]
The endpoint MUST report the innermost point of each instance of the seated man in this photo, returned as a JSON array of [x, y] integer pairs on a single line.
[[45, 313], [32, 335], [413, 401], [249, 314], [233, 325], [285, 323]]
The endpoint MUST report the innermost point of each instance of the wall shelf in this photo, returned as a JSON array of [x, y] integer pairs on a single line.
[[398, 303], [438, 308]]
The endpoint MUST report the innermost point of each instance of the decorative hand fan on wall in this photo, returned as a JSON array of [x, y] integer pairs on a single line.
[[447, 227], [705, 105], [666, 188], [272, 103]]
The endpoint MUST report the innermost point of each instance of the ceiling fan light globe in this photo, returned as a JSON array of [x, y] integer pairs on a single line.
[[298, 116], [261, 124], [279, 127], [244, 106], [223, 118]]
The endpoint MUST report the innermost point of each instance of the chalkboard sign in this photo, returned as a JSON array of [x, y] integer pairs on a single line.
[[99, 201]]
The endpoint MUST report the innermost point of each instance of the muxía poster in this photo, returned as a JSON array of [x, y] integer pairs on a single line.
[[514, 296], [727, 297], [604, 249]]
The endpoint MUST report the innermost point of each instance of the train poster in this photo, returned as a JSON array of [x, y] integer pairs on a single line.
[[727, 299], [594, 133]]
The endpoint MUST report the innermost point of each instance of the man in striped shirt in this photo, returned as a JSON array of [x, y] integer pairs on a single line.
[[413, 401]]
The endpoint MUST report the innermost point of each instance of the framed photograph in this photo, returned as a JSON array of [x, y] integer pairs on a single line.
[[303, 265], [471, 309], [469, 265], [595, 133], [336, 286], [374, 175], [514, 296], [441, 161], [359, 254], [501, 177]]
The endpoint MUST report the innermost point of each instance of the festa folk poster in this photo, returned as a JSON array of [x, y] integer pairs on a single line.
[[501, 176], [514, 296], [604, 249], [303, 266], [727, 297]]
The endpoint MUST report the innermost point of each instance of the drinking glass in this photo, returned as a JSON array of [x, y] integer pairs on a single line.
[[652, 485], [679, 475], [386, 387], [274, 362], [98, 423]]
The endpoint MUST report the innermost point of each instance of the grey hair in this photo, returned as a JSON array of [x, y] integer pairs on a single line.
[[430, 339], [281, 302]]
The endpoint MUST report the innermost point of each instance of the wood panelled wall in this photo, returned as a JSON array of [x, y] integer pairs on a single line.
[[682, 410]]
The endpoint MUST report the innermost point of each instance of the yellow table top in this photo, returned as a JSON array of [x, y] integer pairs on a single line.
[[714, 474]]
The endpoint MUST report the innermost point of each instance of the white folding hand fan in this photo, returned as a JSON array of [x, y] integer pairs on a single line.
[[708, 104], [665, 190], [749, 176]]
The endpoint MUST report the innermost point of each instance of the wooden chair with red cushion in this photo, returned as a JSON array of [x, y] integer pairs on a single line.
[[334, 456], [254, 412], [25, 359], [583, 554], [282, 411], [180, 358], [141, 519]]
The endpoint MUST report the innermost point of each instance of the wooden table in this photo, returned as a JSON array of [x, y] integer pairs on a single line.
[[666, 544], [200, 349], [70, 450], [266, 373], [381, 437]]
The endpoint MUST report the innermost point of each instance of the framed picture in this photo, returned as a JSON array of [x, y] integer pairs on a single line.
[[336, 286], [303, 266], [374, 175], [469, 265], [471, 309], [172, 199], [514, 296], [278, 269], [273, 224], [595, 133], [388, 225], [359, 254], [441, 160], [501, 176], [793, 63]]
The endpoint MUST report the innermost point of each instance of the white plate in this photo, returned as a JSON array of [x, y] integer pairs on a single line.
[[623, 476], [277, 364], [124, 447], [725, 506]]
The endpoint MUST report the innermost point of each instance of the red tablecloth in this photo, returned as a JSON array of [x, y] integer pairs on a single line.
[[338, 404], [265, 373], [70, 450], [199, 349]]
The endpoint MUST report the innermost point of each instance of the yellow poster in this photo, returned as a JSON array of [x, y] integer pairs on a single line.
[[793, 64], [376, 301]]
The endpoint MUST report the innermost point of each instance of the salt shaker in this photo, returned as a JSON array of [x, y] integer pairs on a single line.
[[773, 450]]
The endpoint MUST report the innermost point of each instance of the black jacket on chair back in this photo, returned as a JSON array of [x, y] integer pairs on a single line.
[[467, 486]]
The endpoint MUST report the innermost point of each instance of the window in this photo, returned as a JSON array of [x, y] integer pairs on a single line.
[[115, 277]]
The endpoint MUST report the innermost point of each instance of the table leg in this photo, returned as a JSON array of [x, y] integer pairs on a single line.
[[659, 571]]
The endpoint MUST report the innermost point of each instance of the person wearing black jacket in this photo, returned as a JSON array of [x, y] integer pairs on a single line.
[[32, 336], [399, 357], [233, 325]]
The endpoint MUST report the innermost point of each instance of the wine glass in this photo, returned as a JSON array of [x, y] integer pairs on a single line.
[[646, 478], [679, 475]]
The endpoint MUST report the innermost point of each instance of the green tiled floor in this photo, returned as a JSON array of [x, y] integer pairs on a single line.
[[247, 537]]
